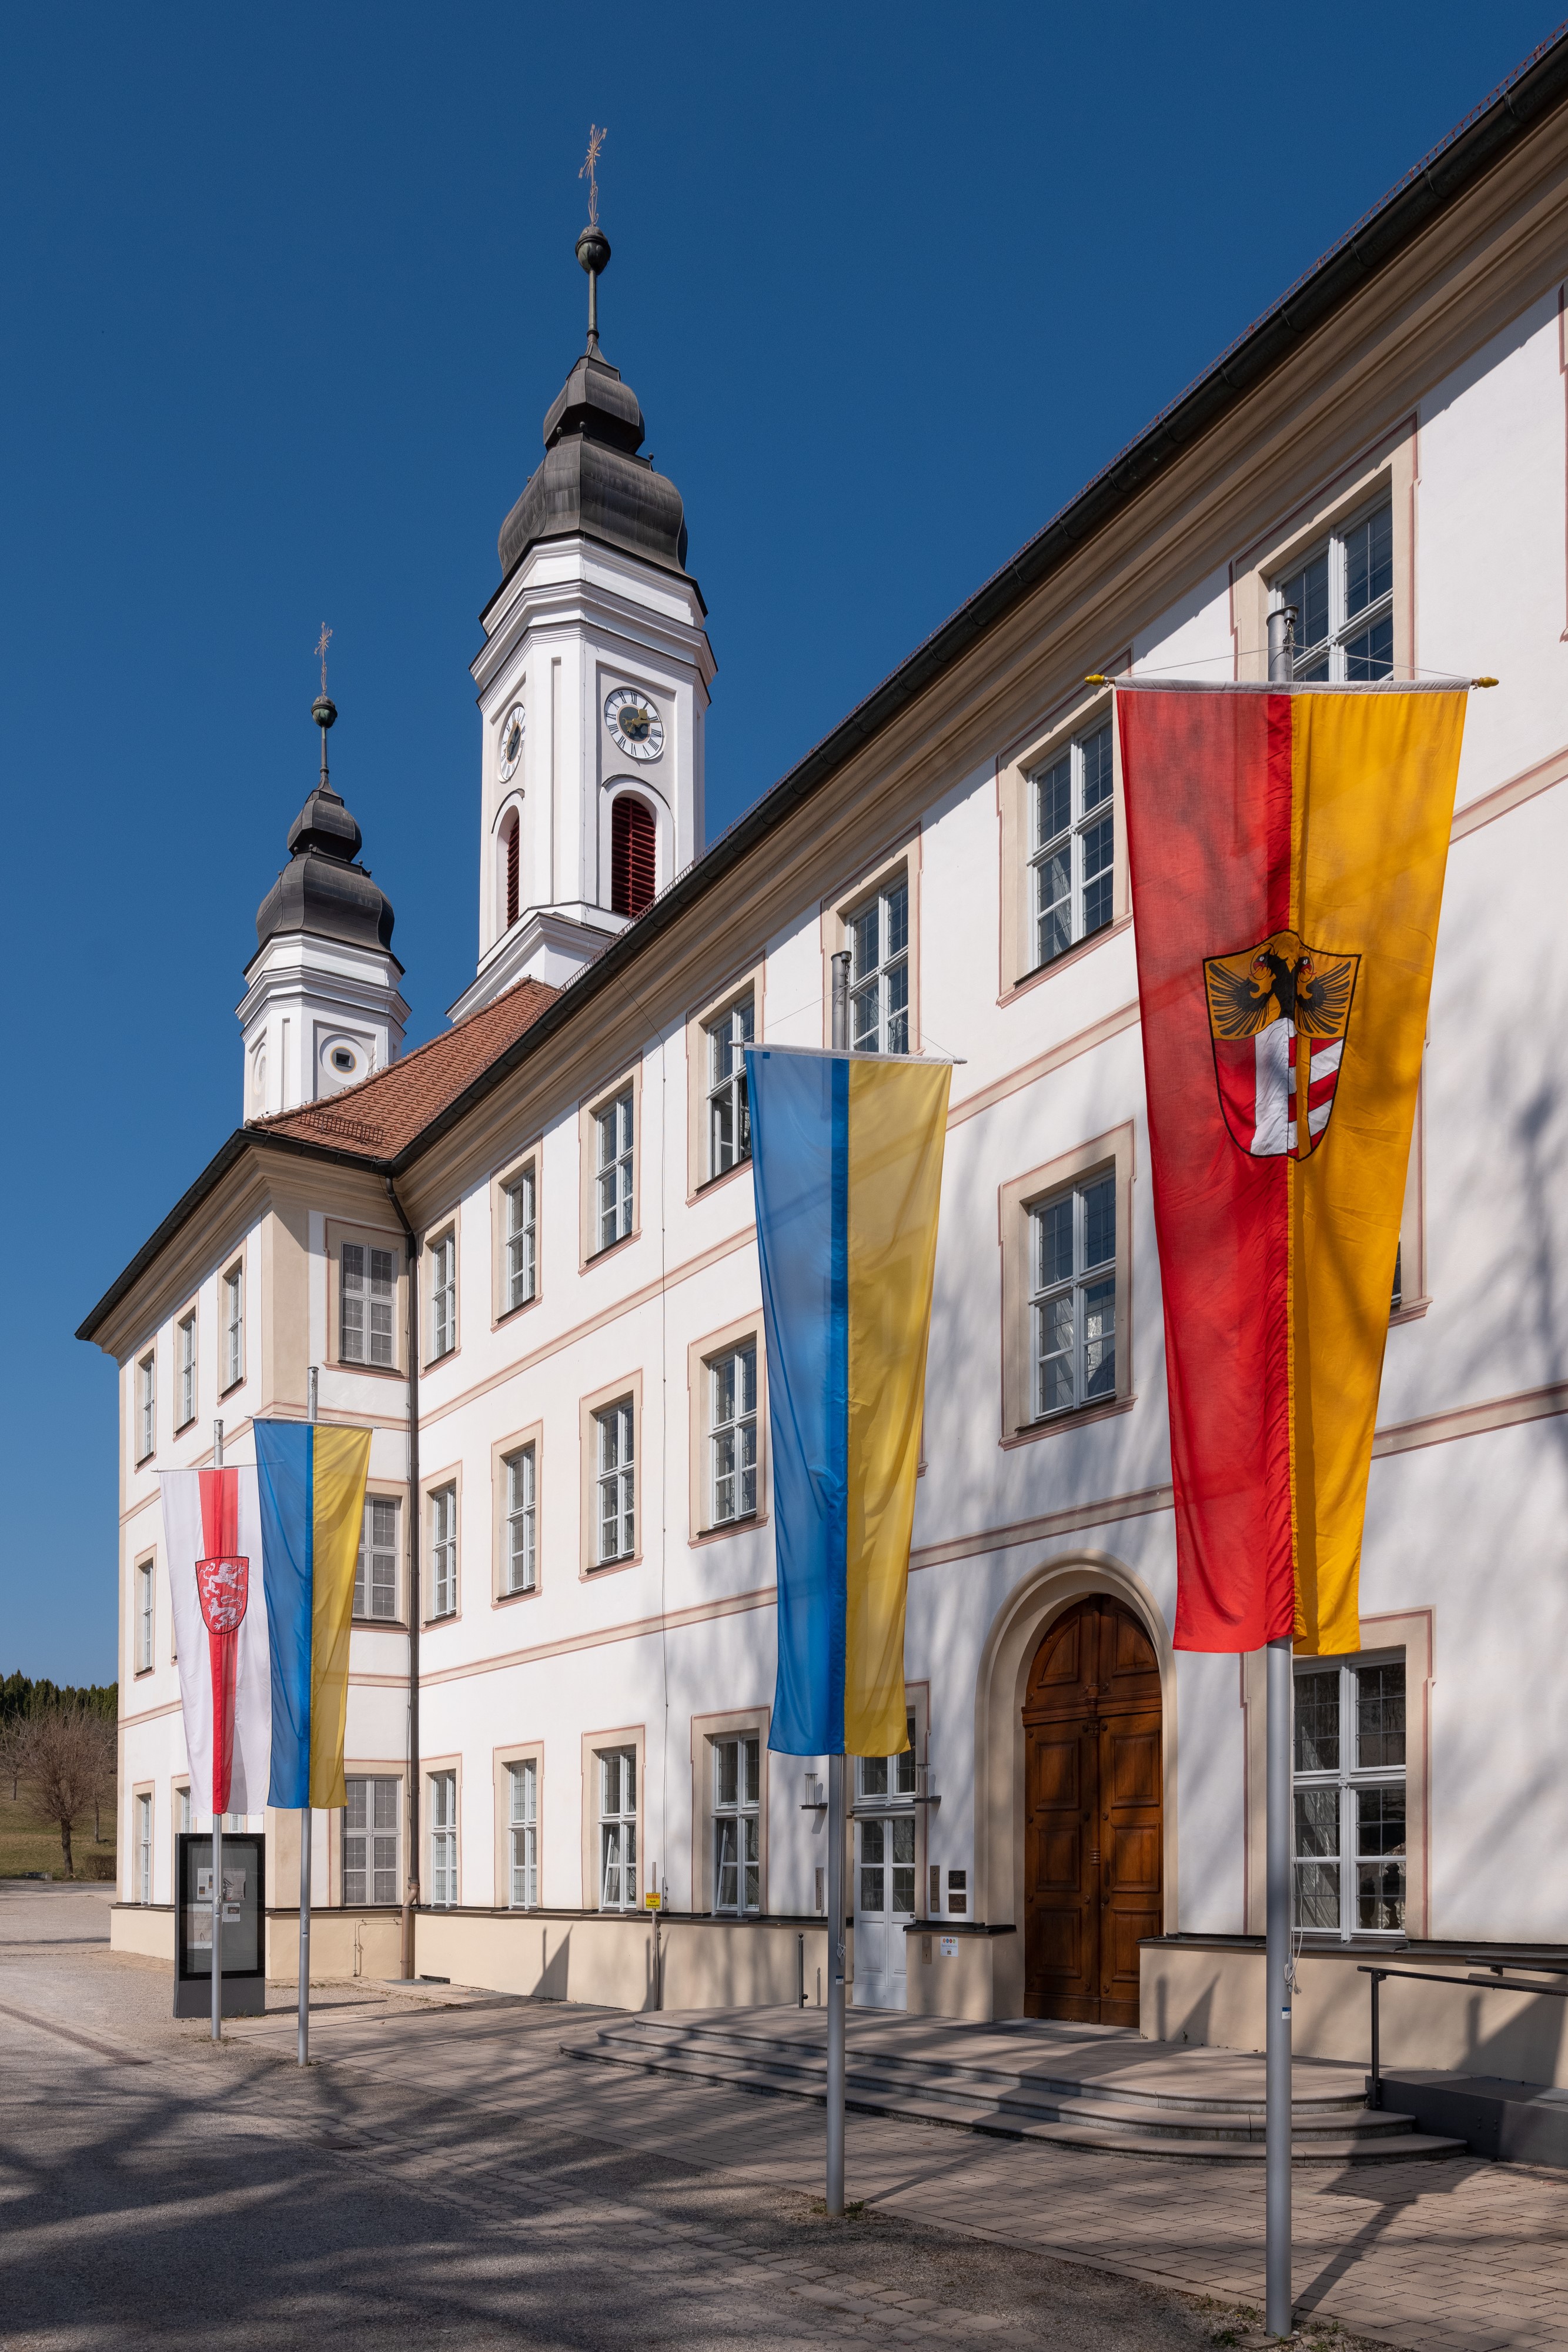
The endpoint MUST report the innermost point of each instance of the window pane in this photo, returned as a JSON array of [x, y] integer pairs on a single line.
[[1380, 1896], [1053, 1228], [1308, 591], [1368, 561], [1380, 1715], [1371, 653], [728, 1771], [873, 1782], [1317, 1895], [1317, 1722], [865, 940], [1096, 756], [1099, 1340], [1053, 1352], [1100, 1222], [1053, 802], [1099, 858], [898, 905], [1317, 1822], [753, 1755], [863, 1022], [898, 1009]]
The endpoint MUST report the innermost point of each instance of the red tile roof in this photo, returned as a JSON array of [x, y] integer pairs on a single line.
[[384, 1113]]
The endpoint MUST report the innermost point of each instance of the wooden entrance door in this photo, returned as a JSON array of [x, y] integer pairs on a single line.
[[1093, 1832]]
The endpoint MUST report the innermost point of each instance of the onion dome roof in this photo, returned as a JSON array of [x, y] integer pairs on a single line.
[[321, 889]]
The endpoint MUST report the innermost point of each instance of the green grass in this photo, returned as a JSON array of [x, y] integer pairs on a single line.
[[28, 1845]]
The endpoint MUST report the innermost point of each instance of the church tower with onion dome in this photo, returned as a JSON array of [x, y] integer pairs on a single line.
[[322, 1007], [593, 685]]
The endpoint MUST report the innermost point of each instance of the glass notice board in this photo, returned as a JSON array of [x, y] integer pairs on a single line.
[[243, 1919]]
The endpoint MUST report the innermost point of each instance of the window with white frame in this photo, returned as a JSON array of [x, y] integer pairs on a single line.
[[144, 1849], [375, 1570], [879, 971], [443, 1839], [1073, 1294], [146, 1405], [1348, 1792], [144, 1591], [368, 1293], [615, 1477], [183, 1808], [186, 1335], [370, 1840], [728, 1111], [519, 1571], [443, 1523], [1343, 596], [737, 1824], [732, 1435], [443, 1255], [521, 1239], [234, 1326], [523, 1832], [1072, 848], [613, 1180], [618, 1829]]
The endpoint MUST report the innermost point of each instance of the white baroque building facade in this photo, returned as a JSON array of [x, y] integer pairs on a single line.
[[562, 1659]]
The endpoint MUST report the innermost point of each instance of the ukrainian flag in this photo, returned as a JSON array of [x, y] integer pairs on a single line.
[[311, 1491], [847, 1165]]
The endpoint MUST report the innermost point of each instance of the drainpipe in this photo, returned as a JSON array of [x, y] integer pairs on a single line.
[[411, 1895]]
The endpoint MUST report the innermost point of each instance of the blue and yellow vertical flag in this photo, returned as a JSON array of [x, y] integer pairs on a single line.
[[311, 1489], [847, 1154]]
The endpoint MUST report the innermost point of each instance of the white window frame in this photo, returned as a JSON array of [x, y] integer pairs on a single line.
[[615, 1481], [1346, 1783], [185, 1349], [371, 1842], [1333, 653], [147, 1405], [520, 1241], [737, 1824], [367, 1306], [886, 1788], [732, 1437], [617, 1828], [378, 1546], [1072, 865], [1089, 1290], [519, 1571], [441, 1510], [879, 927], [234, 1325], [614, 1183], [443, 1256], [443, 1812], [728, 1109], [145, 1616], [144, 1846], [523, 1834]]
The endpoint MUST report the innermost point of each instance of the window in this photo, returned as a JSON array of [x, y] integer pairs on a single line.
[[442, 1296], [375, 1571], [613, 1195], [520, 1573], [737, 1824], [186, 1337], [890, 1778], [145, 1617], [957, 1891], [234, 1326], [183, 1808], [1343, 596], [1350, 1841], [618, 1829], [1073, 1296], [732, 1435], [443, 1839], [728, 1112], [369, 1278], [521, 1275], [513, 840], [633, 856], [523, 1831], [1072, 854], [443, 1551], [146, 1406], [369, 1841], [879, 971], [144, 1849], [616, 1478]]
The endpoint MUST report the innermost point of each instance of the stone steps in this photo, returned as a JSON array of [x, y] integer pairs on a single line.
[[1336, 2127]]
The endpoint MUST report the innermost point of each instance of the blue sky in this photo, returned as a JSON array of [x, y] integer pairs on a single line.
[[288, 292]]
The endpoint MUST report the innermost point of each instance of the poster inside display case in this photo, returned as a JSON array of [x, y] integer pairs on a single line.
[[242, 1924]]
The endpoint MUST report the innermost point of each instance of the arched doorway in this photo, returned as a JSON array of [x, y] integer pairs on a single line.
[[1093, 1831]]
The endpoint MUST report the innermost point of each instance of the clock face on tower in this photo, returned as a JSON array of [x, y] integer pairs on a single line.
[[511, 751], [634, 723]]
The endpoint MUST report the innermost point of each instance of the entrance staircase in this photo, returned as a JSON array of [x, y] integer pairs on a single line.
[[1081, 2086]]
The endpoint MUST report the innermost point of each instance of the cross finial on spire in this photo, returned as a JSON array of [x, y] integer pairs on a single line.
[[322, 642], [596, 137]]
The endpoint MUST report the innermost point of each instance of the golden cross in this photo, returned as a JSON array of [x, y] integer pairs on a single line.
[[596, 137], [321, 645]]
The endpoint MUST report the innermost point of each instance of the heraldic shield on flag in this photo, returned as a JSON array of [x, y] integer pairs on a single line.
[[1278, 1015]]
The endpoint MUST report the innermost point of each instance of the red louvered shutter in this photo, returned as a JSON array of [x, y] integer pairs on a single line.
[[633, 879], [514, 832]]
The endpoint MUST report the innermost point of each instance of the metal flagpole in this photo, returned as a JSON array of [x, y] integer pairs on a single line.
[[1277, 1866], [217, 1878], [307, 1820], [836, 1825]]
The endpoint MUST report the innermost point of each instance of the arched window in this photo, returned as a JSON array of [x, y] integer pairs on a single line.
[[510, 846], [632, 856]]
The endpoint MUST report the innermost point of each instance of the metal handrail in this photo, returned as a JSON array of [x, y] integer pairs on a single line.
[[1494, 1982]]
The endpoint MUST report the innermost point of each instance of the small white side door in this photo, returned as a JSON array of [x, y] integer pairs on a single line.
[[883, 1891]]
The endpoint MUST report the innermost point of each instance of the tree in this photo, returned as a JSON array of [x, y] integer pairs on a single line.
[[14, 1731], [66, 1766]]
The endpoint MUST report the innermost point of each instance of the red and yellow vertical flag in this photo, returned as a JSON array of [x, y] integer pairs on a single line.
[[1288, 849]]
